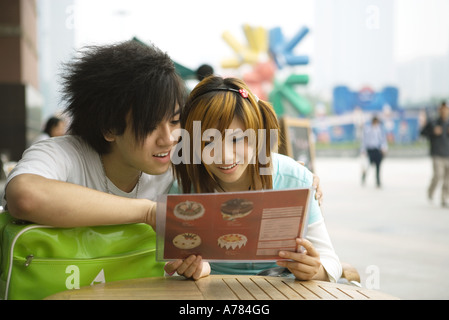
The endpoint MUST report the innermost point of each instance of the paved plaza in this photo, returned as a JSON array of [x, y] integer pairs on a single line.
[[394, 236]]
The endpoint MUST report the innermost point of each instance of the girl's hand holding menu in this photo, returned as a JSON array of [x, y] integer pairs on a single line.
[[306, 265], [192, 267]]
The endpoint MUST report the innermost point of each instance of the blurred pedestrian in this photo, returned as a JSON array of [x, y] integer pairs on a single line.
[[54, 127], [437, 132], [375, 146]]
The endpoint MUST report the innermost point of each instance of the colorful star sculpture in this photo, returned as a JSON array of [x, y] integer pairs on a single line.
[[285, 91], [282, 50], [257, 39], [266, 52], [260, 78]]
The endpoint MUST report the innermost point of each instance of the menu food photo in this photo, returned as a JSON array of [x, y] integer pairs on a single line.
[[234, 226]]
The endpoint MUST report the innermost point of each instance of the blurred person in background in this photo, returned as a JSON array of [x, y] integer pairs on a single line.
[[375, 146], [437, 132], [54, 127]]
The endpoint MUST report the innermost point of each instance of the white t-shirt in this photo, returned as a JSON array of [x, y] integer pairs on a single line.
[[71, 159]]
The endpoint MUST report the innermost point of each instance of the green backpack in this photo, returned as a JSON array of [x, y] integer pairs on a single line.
[[37, 261]]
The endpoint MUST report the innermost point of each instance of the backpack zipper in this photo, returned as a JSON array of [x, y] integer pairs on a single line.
[[11, 253]]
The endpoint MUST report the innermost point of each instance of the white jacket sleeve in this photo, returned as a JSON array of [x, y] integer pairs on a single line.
[[317, 234]]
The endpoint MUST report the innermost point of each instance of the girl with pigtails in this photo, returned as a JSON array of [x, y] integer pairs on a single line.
[[240, 156]]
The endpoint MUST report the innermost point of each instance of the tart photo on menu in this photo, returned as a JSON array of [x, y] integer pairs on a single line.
[[232, 241], [236, 208], [189, 210], [187, 241]]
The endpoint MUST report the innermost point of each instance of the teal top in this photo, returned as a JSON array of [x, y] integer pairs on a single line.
[[287, 174]]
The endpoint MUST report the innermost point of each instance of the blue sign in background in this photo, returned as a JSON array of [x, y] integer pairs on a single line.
[[346, 100]]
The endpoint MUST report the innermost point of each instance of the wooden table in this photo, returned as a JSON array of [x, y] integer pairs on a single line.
[[219, 287]]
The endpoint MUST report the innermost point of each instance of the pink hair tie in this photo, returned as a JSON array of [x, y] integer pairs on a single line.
[[243, 93]]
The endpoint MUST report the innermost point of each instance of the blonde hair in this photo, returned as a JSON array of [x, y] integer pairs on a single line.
[[215, 102]]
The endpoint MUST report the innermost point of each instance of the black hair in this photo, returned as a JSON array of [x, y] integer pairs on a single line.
[[50, 124], [105, 84], [375, 119], [204, 71]]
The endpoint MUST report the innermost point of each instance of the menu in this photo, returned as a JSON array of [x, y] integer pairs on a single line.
[[233, 226]]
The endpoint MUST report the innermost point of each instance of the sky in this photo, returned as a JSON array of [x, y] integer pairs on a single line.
[[422, 28], [191, 33], [191, 30]]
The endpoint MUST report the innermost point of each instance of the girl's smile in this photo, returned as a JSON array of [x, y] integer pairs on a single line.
[[229, 169]]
